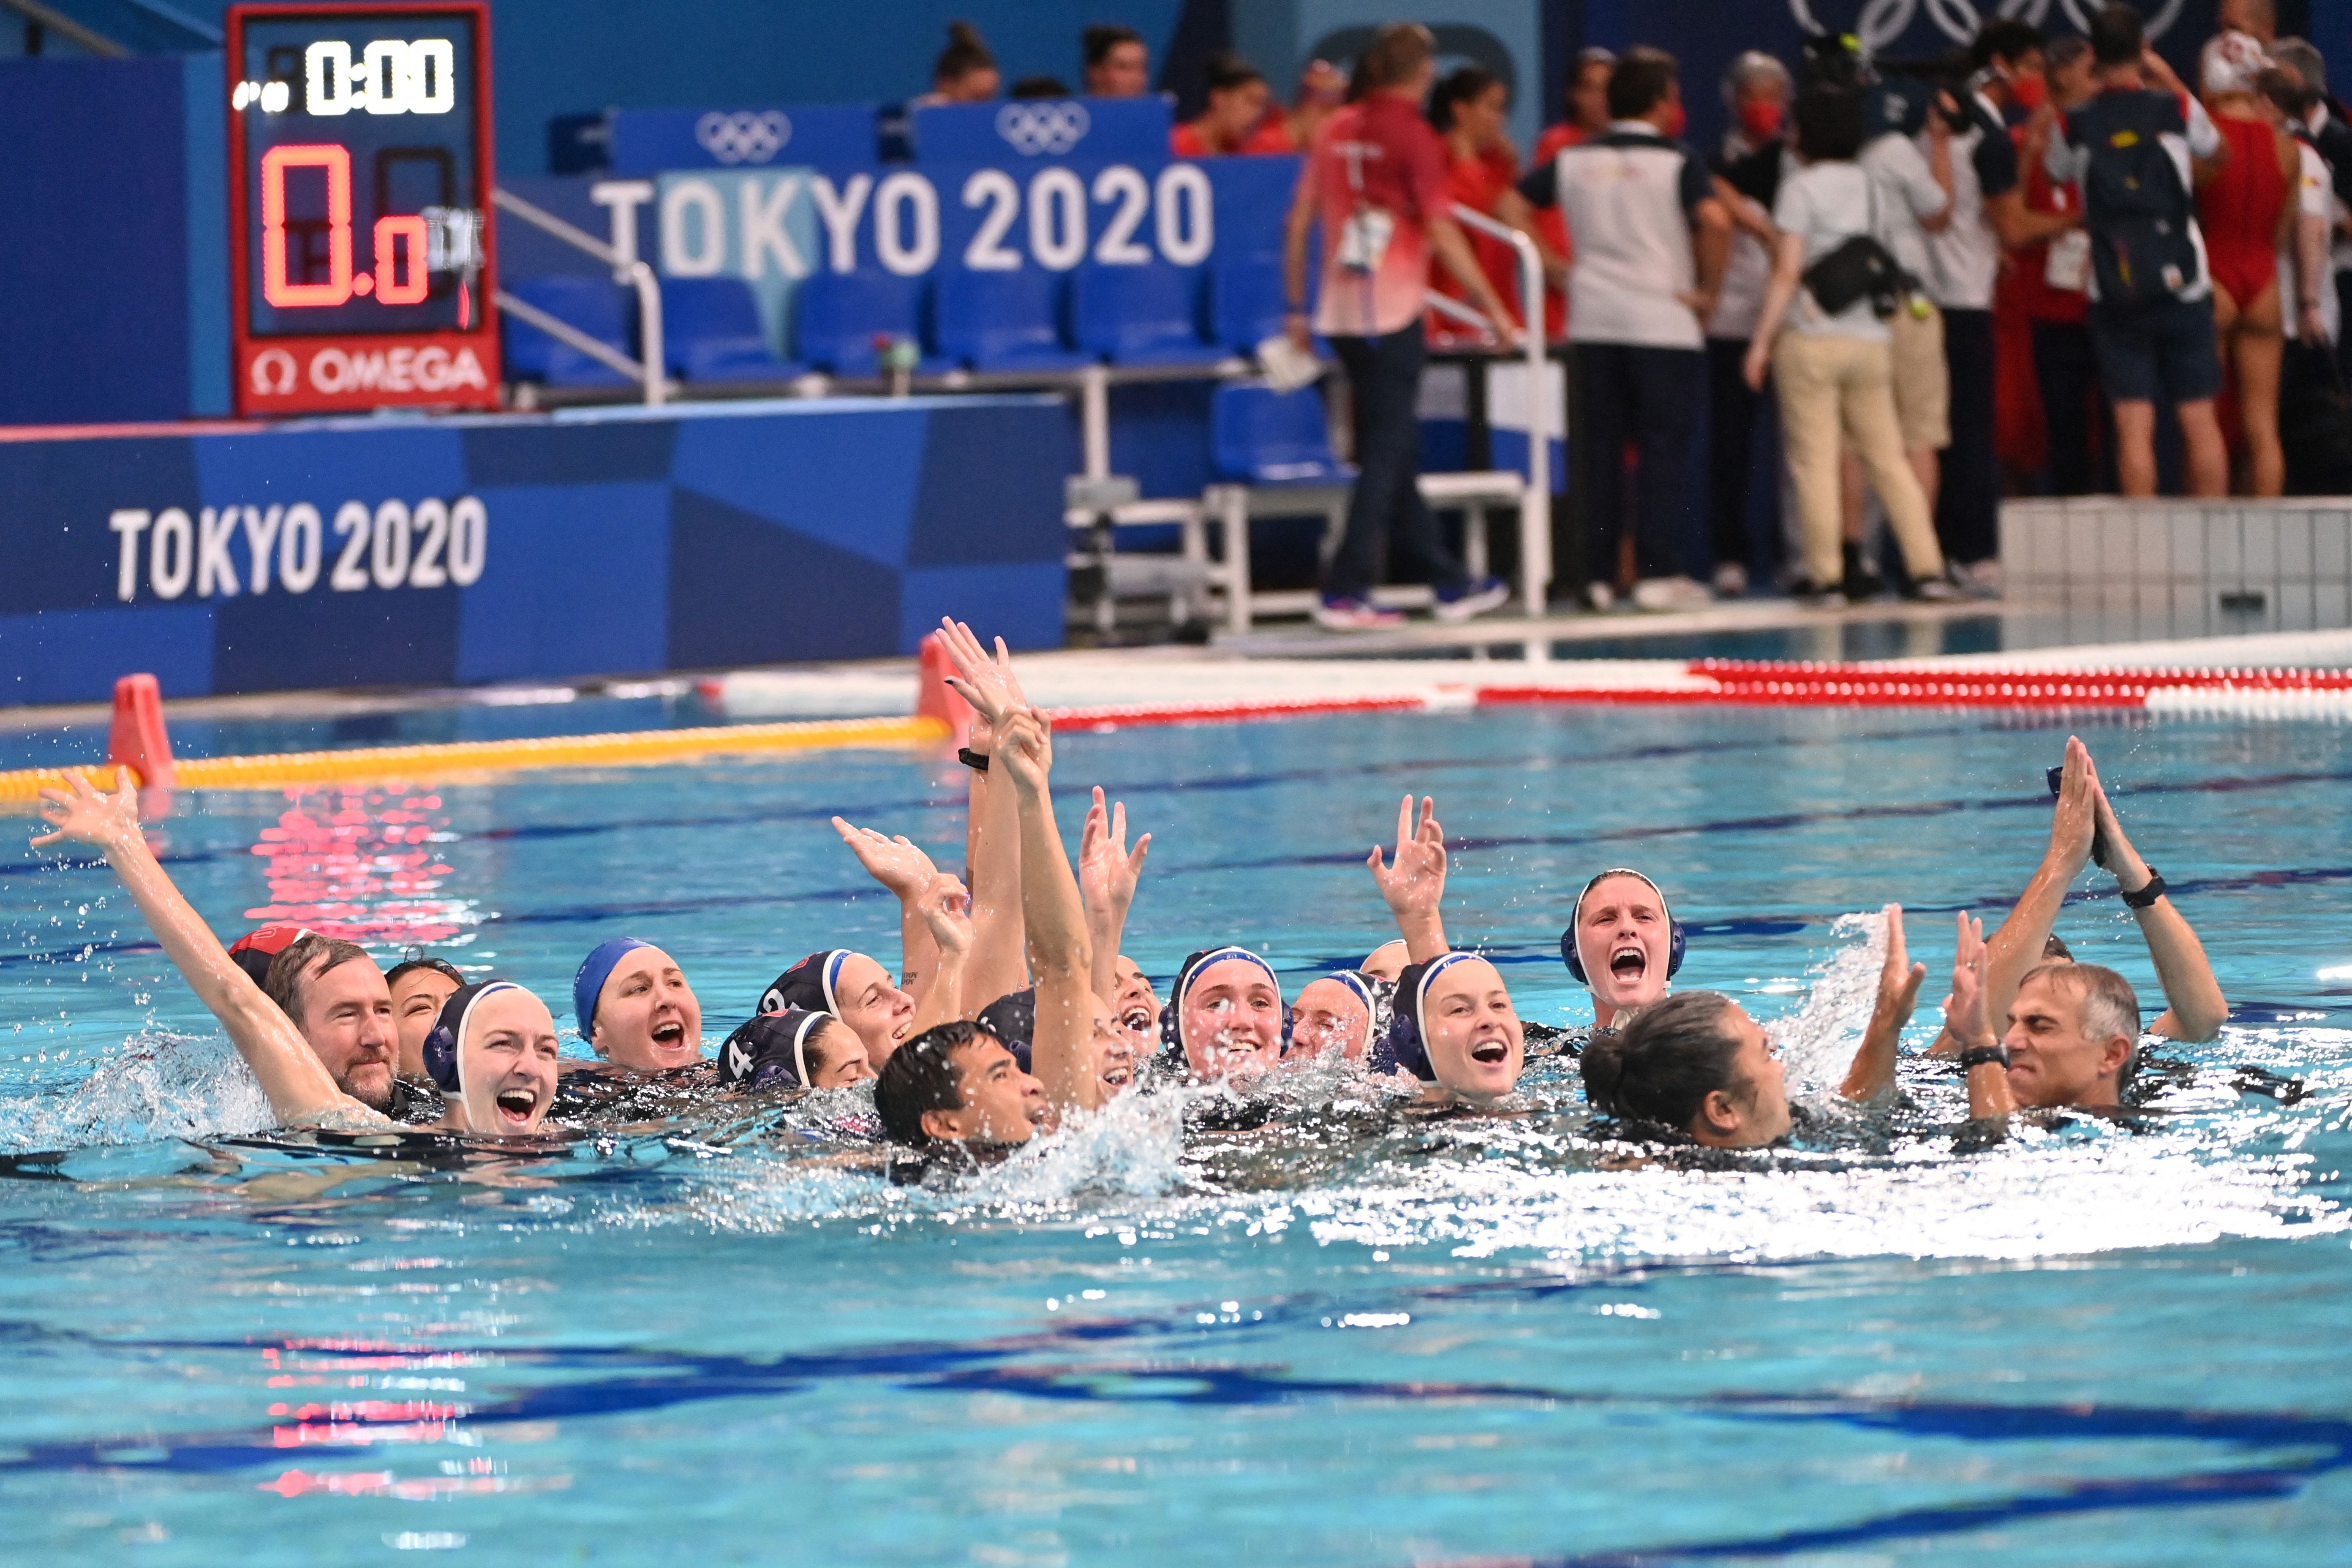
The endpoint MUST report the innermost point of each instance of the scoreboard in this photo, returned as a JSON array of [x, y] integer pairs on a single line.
[[361, 251]]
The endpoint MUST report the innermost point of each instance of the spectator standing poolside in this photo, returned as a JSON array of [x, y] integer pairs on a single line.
[[2247, 207], [1586, 95], [2054, 288], [1376, 181], [1754, 160], [1470, 107], [965, 71], [1235, 119], [1322, 89], [1831, 365], [1119, 62], [1988, 212], [1913, 182], [1650, 239], [2151, 312]]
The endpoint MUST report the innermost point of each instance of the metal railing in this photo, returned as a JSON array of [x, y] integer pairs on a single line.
[[646, 372], [66, 27], [1534, 508]]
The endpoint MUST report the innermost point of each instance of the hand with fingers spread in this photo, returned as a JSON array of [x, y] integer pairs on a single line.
[[898, 864], [79, 812], [1414, 883], [986, 683], [1108, 871]]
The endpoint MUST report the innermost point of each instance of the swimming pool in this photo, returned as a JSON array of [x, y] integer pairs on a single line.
[[1427, 1345]]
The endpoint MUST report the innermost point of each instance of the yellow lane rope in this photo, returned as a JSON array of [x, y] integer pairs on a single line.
[[638, 748]]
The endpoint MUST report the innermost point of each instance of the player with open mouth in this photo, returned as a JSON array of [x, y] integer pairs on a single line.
[[1623, 943]]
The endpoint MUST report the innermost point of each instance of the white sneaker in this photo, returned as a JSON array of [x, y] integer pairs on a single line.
[[1471, 600], [1354, 615], [1980, 580], [1601, 597], [1731, 581], [1661, 596]]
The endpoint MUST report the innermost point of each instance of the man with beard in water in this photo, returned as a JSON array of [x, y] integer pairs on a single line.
[[958, 1086], [338, 999]]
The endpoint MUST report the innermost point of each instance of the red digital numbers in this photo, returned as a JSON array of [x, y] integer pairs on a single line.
[[392, 283]]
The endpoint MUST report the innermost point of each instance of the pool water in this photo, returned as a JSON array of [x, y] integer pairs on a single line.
[[1345, 1341]]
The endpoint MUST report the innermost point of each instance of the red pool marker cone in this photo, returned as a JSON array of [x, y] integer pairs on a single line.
[[933, 699], [137, 740]]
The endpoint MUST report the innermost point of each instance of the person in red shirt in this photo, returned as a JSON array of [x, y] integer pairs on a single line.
[[1376, 184], [1587, 96], [1470, 108], [1235, 119]]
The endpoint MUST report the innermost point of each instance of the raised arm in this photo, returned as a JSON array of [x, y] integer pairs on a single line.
[[1061, 1048], [1107, 872], [2016, 946], [995, 967], [1873, 1072], [2195, 1008], [1964, 1020], [945, 908], [298, 1085], [900, 865], [1414, 884]]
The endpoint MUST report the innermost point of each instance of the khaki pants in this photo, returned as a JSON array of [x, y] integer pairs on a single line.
[[1833, 384]]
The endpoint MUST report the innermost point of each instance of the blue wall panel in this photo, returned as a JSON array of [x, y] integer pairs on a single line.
[[618, 542]]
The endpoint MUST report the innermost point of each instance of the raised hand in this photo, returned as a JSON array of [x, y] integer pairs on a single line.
[[1107, 871], [2074, 826], [896, 863], [946, 908], [1414, 883], [81, 814], [1898, 978], [987, 683], [1024, 748], [1964, 1009]]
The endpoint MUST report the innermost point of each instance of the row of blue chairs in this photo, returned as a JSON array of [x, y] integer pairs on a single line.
[[1024, 323]]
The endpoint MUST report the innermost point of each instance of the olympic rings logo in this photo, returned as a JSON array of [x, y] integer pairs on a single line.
[[1880, 23], [744, 137], [1035, 128]]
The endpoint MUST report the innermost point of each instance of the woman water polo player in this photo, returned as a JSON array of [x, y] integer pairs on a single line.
[[635, 1009], [1697, 1065], [418, 985], [793, 1049], [857, 989], [1454, 1028], [1623, 943], [1223, 1017], [500, 1065], [1334, 1016]]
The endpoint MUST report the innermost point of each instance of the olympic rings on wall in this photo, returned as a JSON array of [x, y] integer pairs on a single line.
[[1033, 129], [745, 138]]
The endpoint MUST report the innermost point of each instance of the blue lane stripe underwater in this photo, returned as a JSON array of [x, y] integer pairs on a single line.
[[637, 1380]]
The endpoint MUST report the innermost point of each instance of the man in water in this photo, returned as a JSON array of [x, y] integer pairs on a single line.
[[2072, 1033], [338, 1000]]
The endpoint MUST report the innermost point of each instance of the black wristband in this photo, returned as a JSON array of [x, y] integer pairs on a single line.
[[2145, 898], [976, 761], [1976, 1057]]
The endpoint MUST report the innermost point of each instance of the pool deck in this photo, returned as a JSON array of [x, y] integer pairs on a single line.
[[1295, 662]]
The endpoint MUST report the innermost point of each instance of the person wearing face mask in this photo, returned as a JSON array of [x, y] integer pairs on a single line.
[[1748, 172], [789, 1050], [1454, 1030], [1695, 1065], [302, 1090], [1650, 239], [493, 1052]]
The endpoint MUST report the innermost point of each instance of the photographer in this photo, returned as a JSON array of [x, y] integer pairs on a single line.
[[1833, 283]]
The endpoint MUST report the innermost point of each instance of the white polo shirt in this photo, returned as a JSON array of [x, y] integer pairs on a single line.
[[1964, 259], [1629, 197]]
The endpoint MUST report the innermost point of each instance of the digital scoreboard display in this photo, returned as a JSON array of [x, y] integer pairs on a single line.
[[360, 264]]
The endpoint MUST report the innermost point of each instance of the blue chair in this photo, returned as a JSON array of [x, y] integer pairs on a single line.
[[595, 306], [1245, 300], [836, 316], [1001, 322], [1141, 315], [711, 332], [1259, 436]]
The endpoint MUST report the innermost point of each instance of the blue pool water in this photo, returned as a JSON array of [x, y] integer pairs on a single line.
[[1371, 1344]]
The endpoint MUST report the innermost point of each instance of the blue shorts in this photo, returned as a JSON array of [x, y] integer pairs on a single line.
[[2162, 353]]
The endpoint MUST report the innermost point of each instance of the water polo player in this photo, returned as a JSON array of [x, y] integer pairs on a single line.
[[635, 1009], [793, 1049], [1623, 943], [1453, 1028]]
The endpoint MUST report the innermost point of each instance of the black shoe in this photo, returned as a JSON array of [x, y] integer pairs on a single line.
[[1862, 585], [1813, 596]]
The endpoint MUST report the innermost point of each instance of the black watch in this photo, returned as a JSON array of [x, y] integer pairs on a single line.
[[2145, 898], [976, 761], [1976, 1057]]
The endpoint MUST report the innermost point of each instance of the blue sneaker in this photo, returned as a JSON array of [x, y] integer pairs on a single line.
[[1471, 598]]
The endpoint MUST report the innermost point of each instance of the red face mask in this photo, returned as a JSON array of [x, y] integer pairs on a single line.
[[1760, 117], [2028, 93]]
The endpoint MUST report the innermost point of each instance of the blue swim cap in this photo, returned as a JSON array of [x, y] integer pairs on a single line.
[[588, 983]]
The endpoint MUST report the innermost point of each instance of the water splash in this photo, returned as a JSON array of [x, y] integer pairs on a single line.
[[158, 1085], [1817, 1041]]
